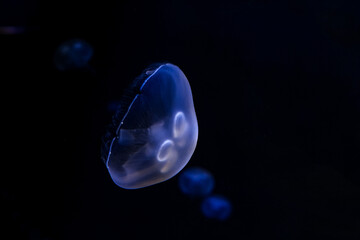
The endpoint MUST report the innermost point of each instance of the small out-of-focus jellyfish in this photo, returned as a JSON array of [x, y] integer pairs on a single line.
[[112, 106], [154, 132], [216, 207], [196, 182], [73, 54], [11, 30]]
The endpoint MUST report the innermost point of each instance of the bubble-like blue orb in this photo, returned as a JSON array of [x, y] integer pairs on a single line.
[[216, 207], [73, 54], [196, 182]]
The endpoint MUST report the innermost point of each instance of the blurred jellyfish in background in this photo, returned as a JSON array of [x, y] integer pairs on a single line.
[[199, 182], [113, 105], [154, 130], [73, 54], [11, 30], [216, 207], [196, 182]]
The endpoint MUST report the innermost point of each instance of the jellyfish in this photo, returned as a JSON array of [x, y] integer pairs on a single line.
[[113, 105], [154, 132], [216, 207], [73, 54], [196, 182], [11, 30]]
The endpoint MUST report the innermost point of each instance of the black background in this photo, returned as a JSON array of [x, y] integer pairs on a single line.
[[277, 95]]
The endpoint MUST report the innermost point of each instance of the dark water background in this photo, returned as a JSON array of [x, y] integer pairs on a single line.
[[276, 86]]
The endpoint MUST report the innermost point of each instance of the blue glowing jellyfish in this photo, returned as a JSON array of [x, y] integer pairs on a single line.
[[154, 131], [216, 207], [196, 182], [73, 54]]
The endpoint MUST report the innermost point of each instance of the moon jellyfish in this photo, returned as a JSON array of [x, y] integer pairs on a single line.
[[73, 54], [196, 182], [216, 207], [154, 131]]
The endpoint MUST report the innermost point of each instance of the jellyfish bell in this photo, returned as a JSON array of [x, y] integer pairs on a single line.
[[73, 54], [216, 207], [196, 182], [154, 131]]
